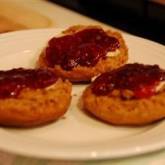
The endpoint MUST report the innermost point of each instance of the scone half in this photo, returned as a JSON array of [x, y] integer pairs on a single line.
[[127, 107], [113, 59], [35, 106]]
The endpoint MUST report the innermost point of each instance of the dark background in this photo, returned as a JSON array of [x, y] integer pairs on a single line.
[[145, 18]]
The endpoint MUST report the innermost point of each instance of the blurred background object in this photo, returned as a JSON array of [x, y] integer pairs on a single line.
[[13, 16], [145, 18]]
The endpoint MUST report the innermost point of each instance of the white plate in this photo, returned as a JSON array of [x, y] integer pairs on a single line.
[[77, 136]]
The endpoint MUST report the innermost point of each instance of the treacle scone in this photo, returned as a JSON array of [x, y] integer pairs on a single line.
[[82, 52], [133, 94], [32, 97]]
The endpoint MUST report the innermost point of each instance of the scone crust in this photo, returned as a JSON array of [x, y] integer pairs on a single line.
[[35, 107], [125, 112], [83, 73]]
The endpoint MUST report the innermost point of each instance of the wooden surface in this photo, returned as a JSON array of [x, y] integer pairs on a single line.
[[15, 17]]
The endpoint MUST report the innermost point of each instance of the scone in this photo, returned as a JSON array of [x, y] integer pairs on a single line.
[[131, 95], [31, 97], [82, 52]]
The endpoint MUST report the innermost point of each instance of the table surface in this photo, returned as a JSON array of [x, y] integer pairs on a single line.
[[58, 15]]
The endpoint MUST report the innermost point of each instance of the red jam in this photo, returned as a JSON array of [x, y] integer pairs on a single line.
[[13, 81], [83, 48], [141, 79]]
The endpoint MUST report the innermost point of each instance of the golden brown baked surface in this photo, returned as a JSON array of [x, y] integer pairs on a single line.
[[83, 73], [35, 107], [117, 111]]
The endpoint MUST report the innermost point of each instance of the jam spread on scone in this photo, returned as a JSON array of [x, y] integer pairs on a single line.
[[83, 48], [130, 81], [13, 81]]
